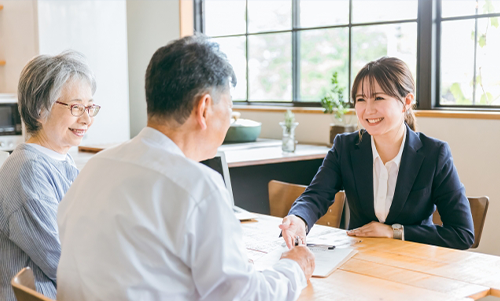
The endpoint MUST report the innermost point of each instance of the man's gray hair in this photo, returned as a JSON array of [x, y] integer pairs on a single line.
[[42, 81]]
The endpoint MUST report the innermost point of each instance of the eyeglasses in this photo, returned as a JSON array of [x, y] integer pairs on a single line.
[[78, 109]]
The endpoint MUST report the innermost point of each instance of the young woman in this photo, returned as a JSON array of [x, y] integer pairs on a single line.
[[393, 177]]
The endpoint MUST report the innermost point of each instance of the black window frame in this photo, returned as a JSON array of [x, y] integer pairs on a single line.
[[428, 54]]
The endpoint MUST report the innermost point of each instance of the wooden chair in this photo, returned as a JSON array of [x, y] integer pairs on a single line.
[[24, 288], [282, 195], [478, 208], [3, 157]]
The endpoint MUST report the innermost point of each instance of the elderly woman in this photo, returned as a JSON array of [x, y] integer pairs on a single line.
[[55, 100]]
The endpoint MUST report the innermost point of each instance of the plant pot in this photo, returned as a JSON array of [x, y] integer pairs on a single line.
[[339, 129]]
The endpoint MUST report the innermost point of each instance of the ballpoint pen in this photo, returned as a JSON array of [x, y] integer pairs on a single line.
[[330, 247]]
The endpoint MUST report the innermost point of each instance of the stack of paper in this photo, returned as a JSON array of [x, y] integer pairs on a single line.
[[326, 260]]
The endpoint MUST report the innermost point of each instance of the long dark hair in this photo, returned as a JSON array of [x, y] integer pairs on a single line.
[[395, 79]]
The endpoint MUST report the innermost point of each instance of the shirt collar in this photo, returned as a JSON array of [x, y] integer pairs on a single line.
[[48, 152], [396, 159], [154, 137]]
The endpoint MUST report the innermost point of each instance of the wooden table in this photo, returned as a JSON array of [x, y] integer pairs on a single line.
[[388, 269]]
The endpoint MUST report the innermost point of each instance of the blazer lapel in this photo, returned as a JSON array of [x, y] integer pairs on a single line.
[[411, 161], [362, 167]]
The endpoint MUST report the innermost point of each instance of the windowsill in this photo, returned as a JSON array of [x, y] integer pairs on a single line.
[[418, 113]]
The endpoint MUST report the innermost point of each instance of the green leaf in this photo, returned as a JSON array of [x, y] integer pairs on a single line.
[[486, 98], [494, 22], [456, 90], [472, 35], [479, 81], [334, 102], [488, 7], [482, 40]]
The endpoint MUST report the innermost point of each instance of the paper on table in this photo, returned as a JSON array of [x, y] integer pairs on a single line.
[[331, 236], [326, 260]]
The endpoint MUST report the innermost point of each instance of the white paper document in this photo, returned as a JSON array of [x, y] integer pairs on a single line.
[[326, 260]]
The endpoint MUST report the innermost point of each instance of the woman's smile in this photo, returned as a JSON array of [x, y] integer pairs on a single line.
[[78, 132], [374, 121]]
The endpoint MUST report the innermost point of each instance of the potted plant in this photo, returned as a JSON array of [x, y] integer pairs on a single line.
[[334, 102]]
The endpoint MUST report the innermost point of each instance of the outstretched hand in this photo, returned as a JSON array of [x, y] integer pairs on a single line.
[[292, 227]]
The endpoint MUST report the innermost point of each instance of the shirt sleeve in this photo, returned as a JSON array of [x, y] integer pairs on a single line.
[[33, 228], [219, 263], [448, 193], [320, 194]]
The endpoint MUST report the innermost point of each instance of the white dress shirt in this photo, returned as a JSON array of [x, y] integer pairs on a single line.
[[143, 222], [384, 180]]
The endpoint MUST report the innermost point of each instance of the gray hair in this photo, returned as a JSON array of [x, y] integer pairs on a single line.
[[42, 81], [180, 72]]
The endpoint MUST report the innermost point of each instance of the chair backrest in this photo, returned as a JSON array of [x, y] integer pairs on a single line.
[[3, 157], [478, 208], [24, 287], [282, 195]]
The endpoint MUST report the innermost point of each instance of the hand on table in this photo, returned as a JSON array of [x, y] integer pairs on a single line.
[[373, 229], [291, 227], [304, 257]]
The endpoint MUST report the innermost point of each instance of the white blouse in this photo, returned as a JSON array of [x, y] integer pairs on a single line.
[[384, 180]]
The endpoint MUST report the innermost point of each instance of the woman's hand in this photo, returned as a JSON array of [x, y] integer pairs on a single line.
[[291, 227], [373, 229]]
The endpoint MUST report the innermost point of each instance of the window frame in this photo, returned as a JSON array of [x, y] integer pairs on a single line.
[[428, 54]]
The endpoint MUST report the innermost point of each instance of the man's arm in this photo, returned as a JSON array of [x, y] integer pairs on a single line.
[[219, 264]]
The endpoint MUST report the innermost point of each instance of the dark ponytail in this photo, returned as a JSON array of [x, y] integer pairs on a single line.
[[410, 119]]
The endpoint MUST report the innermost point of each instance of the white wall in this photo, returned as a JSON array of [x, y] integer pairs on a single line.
[[98, 29], [474, 143], [18, 40], [151, 24]]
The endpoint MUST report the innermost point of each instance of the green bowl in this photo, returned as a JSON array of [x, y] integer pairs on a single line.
[[238, 133]]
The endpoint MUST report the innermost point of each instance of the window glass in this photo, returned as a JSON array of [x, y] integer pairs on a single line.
[[269, 15], [270, 67], [457, 62], [372, 42], [323, 52], [225, 17], [317, 13], [457, 8], [488, 6], [364, 11], [487, 63], [235, 49]]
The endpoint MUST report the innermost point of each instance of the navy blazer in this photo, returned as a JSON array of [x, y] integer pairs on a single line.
[[427, 179]]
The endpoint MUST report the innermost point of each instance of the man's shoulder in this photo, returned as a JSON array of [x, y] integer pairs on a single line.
[[165, 164]]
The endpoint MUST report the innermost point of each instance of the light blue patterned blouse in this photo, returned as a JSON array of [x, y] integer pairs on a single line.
[[31, 186]]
